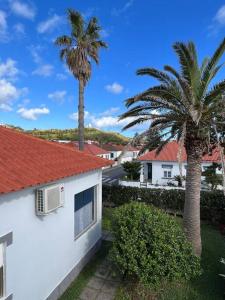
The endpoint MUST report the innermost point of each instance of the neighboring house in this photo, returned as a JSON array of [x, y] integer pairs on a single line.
[[116, 151], [92, 149], [50, 215], [161, 169]]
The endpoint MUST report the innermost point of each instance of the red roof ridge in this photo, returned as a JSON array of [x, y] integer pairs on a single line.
[[28, 161]]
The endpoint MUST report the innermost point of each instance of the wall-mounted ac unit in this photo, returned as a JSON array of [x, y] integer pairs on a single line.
[[49, 199]]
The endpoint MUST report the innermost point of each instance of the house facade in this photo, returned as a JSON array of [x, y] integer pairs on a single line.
[[42, 250], [160, 169], [128, 153]]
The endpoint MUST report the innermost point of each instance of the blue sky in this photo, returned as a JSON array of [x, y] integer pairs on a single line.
[[37, 91]]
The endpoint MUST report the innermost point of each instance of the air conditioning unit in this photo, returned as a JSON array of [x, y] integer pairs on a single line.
[[49, 199]]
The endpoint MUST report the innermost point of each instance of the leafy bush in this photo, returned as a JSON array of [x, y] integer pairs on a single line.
[[212, 203], [132, 168], [150, 246]]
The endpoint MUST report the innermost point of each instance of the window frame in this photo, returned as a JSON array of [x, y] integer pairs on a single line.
[[96, 193], [3, 245], [167, 174]]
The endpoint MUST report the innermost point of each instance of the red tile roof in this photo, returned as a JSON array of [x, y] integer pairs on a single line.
[[170, 151], [27, 161], [90, 148], [115, 147]]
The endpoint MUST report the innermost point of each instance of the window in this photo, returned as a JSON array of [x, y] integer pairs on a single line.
[[84, 210], [2, 271], [167, 174], [111, 155], [167, 166]]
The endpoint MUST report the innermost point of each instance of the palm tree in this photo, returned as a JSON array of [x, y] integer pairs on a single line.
[[186, 106], [77, 50]]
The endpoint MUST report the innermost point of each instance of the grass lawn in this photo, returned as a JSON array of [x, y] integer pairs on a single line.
[[208, 287], [75, 289]]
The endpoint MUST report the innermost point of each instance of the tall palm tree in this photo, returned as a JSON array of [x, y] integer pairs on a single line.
[[77, 50], [186, 106]]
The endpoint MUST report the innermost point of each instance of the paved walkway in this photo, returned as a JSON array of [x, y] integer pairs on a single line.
[[103, 285]]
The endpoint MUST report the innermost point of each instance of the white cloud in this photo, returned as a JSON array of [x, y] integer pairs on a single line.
[[8, 69], [116, 12], [44, 70], [50, 24], [114, 88], [8, 93], [22, 9], [35, 53], [103, 121], [218, 21], [220, 15], [3, 27], [19, 28], [58, 96], [32, 113], [74, 116], [110, 111]]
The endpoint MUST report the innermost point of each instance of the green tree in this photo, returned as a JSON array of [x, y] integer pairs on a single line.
[[211, 178], [132, 168], [77, 50], [187, 106]]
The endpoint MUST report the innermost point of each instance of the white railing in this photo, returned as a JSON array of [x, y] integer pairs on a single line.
[[147, 185]]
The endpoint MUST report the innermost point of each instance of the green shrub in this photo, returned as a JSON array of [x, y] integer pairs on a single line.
[[150, 245], [212, 203]]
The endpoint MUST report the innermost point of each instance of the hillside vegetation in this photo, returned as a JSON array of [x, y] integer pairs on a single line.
[[72, 134]]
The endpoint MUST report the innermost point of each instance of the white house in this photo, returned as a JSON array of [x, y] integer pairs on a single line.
[[50, 215], [129, 152], [161, 169]]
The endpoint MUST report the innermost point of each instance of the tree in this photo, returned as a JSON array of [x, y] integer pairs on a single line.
[[179, 179], [211, 178], [185, 105], [77, 50], [132, 168]]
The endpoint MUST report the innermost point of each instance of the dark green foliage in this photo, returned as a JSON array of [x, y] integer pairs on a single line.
[[132, 168], [211, 178], [179, 179], [212, 203], [150, 246]]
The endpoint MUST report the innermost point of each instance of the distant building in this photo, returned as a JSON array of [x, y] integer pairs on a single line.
[[50, 215], [129, 154], [161, 169]]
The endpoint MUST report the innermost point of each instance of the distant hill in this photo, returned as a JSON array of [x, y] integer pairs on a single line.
[[72, 134]]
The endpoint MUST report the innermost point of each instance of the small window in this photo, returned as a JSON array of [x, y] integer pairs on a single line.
[[2, 271], [167, 174], [167, 166], [84, 210], [111, 155]]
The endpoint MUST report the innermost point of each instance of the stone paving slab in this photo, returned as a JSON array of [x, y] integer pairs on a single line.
[[96, 283], [89, 294], [105, 296], [103, 285]]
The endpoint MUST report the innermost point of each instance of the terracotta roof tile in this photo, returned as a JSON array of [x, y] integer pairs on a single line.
[[27, 161], [170, 151], [89, 148]]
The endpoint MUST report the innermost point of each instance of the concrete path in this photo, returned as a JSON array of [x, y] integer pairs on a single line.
[[103, 285]]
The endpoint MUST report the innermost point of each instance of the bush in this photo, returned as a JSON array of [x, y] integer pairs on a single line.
[[150, 245], [132, 168], [212, 203]]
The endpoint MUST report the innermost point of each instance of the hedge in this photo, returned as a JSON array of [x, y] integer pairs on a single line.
[[212, 202]]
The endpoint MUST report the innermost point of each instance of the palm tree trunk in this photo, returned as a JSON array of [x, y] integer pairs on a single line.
[[192, 195], [81, 115]]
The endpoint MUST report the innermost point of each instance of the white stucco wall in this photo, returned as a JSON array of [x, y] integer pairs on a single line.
[[44, 250], [157, 170]]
